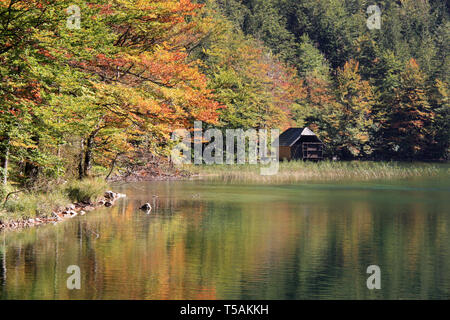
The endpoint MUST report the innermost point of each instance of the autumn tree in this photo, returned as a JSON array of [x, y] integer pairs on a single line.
[[22, 132], [409, 132], [441, 129], [352, 116], [124, 77], [258, 90]]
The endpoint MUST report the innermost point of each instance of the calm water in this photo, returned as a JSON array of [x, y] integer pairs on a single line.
[[212, 241]]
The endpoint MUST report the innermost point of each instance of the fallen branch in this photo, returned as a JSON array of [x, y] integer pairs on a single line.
[[9, 194]]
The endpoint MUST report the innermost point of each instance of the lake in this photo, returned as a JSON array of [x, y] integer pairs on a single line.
[[205, 240]]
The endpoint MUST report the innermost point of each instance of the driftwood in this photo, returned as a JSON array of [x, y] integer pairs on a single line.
[[18, 191]]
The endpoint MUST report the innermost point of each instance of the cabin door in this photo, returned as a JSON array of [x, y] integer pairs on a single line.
[[296, 152]]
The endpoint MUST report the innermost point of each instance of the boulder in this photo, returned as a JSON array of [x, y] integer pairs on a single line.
[[110, 195], [146, 207]]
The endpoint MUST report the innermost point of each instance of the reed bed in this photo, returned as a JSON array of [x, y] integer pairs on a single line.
[[299, 171]]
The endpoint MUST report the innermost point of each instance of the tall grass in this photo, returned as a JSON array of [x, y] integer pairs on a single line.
[[298, 171], [32, 205], [87, 190], [26, 205]]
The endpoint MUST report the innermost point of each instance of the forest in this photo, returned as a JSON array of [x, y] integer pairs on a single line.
[[89, 85]]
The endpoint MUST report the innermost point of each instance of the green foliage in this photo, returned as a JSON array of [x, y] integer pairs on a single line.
[[312, 62], [73, 100], [79, 97], [257, 88], [409, 131], [41, 203], [353, 112], [265, 20], [4, 190], [320, 37], [31, 205], [441, 102]]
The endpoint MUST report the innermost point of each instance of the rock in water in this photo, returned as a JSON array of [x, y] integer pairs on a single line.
[[146, 207], [110, 195]]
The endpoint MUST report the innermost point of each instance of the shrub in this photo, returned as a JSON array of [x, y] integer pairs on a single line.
[[4, 190], [87, 190]]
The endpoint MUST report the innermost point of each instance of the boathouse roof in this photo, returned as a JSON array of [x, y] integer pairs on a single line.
[[292, 135]]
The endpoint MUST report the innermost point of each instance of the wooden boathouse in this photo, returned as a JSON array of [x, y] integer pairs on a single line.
[[300, 144]]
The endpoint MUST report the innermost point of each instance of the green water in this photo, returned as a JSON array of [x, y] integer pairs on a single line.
[[211, 241]]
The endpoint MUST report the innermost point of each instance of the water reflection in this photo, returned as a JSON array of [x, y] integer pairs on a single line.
[[207, 241]]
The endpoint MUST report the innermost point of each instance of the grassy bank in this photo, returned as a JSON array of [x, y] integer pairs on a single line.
[[298, 171], [28, 205]]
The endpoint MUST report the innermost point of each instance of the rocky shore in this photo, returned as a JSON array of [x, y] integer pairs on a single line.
[[71, 211], [151, 171]]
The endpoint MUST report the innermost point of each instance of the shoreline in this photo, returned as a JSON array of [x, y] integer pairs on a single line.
[[291, 173], [146, 176], [82, 208], [69, 212]]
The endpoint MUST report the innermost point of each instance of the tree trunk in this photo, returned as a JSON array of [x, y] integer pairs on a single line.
[[113, 165], [80, 161], [5, 162], [5, 166], [88, 154], [32, 170]]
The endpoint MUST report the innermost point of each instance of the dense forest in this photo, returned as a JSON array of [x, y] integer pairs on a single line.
[[84, 84]]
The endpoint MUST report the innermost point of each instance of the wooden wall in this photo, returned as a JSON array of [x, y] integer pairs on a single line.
[[285, 153]]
